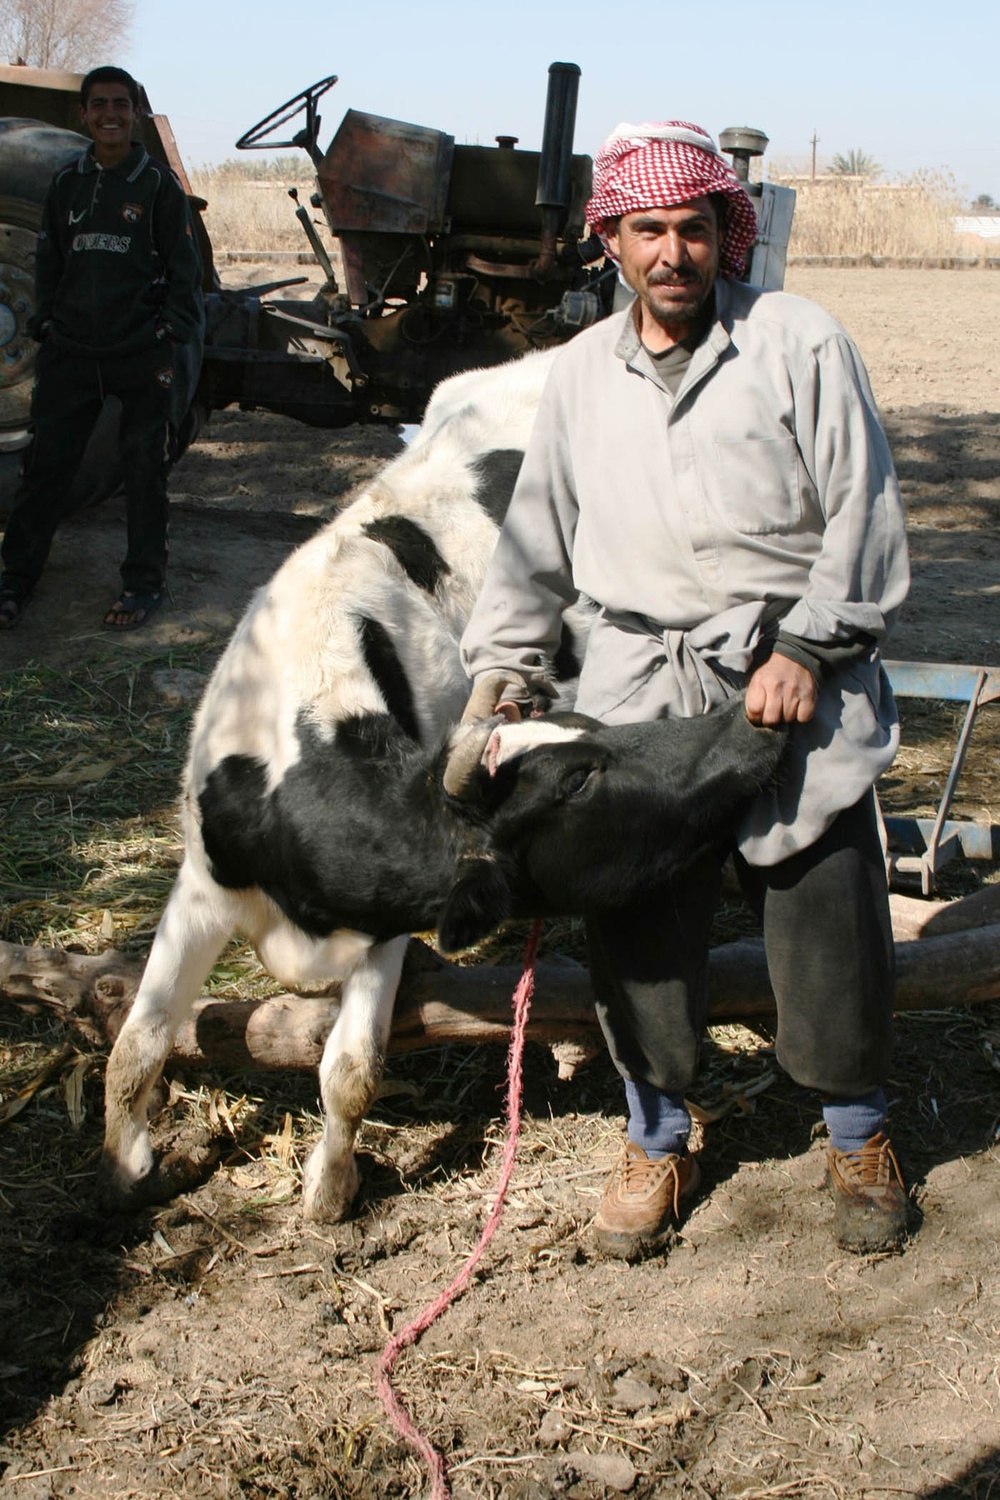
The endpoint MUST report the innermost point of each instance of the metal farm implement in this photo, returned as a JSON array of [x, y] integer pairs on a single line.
[[919, 847]]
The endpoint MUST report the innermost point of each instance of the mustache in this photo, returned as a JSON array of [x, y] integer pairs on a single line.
[[684, 277]]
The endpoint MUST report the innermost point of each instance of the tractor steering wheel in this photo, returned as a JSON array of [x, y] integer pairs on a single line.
[[257, 137]]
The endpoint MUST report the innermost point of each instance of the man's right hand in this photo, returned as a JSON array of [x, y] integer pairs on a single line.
[[781, 691], [493, 688]]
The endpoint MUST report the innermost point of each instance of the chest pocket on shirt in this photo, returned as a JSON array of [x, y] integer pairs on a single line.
[[757, 484]]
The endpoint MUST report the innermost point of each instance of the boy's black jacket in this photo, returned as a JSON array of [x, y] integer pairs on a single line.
[[118, 270]]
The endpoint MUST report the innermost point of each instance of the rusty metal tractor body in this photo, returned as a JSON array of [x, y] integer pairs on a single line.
[[452, 257]]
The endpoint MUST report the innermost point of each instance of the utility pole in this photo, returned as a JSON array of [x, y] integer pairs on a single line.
[[814, 140]]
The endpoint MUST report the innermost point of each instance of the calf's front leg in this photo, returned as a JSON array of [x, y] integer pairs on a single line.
[[192, 933], [350, 1072]]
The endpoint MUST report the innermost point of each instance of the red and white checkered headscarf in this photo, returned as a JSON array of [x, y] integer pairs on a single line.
[[662, 164]]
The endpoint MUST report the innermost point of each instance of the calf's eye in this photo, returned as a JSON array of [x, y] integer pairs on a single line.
[[577, 780]]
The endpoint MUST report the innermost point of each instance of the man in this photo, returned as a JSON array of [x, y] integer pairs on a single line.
[[118, 293], [709, 467]]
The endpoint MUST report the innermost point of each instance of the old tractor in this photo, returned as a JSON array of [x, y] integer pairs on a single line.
[[450, 256]]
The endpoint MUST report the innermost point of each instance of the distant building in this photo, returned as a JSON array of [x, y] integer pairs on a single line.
[[986, 226]]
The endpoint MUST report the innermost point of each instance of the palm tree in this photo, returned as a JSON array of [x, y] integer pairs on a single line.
[[855, 163]]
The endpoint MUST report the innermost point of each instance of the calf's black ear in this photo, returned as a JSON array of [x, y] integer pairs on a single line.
[[476, 905]]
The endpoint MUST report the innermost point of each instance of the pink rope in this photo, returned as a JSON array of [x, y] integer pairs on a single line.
[[398, 1415]]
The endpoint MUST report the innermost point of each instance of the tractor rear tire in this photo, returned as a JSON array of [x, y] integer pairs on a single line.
[[30, 155]]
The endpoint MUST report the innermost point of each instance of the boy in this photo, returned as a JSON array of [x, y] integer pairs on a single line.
[[118, 291]]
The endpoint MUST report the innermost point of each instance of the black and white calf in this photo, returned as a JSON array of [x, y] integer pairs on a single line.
[[306, 813], [329, 811]]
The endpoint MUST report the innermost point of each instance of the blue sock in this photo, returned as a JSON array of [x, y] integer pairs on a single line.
[[657, 1122], [852, 1122]]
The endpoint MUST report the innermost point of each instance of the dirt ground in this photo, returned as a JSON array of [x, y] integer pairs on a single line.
[[223, 1348]]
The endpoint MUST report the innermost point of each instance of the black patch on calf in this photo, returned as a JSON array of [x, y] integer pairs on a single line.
[[477, 903], [387, 669], [371, 737], [235, 821], [352, 836], [412, 548], [497, 473]]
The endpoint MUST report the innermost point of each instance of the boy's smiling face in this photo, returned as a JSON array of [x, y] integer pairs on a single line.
[[108, 117]]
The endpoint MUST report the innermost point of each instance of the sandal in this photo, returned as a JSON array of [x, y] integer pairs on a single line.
[[143, 604], [13, 598]]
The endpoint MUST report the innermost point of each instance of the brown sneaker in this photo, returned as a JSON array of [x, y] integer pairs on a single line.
[[642, 1201], [871, 1207]]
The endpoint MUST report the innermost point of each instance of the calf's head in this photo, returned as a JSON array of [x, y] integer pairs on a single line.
[[581, 817]]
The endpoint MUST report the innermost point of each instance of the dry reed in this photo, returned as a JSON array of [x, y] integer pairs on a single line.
[[833, 215], [248, 212], [854, 216]]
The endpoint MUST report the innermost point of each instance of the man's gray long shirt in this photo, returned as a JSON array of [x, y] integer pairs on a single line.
[[763, 487]]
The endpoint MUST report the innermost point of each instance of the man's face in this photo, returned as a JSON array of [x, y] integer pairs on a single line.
[[670, 258], [109, 115]]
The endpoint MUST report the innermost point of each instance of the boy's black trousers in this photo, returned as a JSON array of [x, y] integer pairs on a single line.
[[66, 402]]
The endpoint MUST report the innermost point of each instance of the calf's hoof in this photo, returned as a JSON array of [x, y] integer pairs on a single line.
[[180, 1170], [328, 1193]]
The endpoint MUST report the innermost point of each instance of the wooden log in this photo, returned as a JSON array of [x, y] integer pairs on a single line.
[[63, 980], [914, 918], [469, 1006], [440, 1002], [957, 968]]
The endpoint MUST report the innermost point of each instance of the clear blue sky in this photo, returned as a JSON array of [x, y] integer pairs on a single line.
[[913, 85]]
